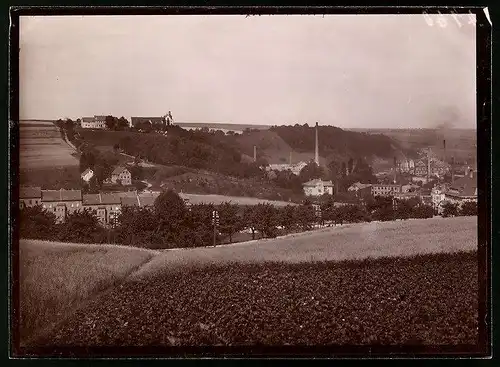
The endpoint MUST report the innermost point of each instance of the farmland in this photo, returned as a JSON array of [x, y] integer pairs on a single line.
[[424, 300], [347, 242], [54, 277], [41, 146], [243, 280]]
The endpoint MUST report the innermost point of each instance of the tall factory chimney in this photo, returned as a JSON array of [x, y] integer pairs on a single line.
[[316, 155], [290, 158], [255, 153]]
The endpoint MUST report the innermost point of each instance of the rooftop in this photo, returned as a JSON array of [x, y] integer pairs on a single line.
[[97, 199], [61, 195], [118, 170], [30, 192], [317, 181]]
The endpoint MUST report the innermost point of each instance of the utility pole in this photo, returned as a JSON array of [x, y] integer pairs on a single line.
[[215, 221]]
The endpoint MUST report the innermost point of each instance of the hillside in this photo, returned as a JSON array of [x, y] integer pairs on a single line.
[[459, 142], [271, 147]]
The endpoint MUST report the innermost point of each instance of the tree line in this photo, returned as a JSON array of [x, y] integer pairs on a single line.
[[171, 223], [335, 141]]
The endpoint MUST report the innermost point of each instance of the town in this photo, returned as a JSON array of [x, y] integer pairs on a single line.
[[423, 179]]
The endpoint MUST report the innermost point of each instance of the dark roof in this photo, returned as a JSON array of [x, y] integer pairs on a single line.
[[86, 171], [91, 199], [87, 119], [465, 186], [129, 201], [97, 199], [30, 192], [317, 181], [99, 117], [118, 170], [61, 195], [147, 199]]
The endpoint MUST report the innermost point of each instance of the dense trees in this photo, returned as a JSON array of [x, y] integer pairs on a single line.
[[35, 222], [171, 223], [450, 209], [193, 149], [468, 208], [334, 140]]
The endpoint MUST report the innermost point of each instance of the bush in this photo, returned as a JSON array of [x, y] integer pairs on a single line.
[[36, 223], [468, 208], [450, 209]]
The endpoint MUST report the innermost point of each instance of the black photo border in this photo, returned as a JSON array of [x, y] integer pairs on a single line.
[[484, 147]]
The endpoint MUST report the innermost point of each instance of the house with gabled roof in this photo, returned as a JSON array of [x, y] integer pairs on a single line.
[[87, 175], [317, 187], [121, 175], [61, 202], [464, 189], [106, 206], [29, 196]]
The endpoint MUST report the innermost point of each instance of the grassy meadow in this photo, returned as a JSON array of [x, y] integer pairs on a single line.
[[55, 278]]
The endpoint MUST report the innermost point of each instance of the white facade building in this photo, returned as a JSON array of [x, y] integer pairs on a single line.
[[318, 187], [87, 175]]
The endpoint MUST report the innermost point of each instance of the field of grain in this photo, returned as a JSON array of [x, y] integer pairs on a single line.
[[347, 242], [56, 277], [41, 146]]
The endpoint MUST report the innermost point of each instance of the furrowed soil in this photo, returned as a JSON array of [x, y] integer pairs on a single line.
[[41, 147], [55, 277], [355, 284], [422, 300]]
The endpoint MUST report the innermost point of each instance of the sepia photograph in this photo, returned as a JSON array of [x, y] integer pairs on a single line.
[[250, 185]]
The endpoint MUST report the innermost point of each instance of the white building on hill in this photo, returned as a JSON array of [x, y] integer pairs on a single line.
[[318, 187], [87, 175], [96, 122]]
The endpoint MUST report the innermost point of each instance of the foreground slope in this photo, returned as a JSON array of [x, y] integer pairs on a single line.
[[355, 241], [55, 277], [424, 300]]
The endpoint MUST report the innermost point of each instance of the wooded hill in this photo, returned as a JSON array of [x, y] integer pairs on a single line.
[[336, 143]]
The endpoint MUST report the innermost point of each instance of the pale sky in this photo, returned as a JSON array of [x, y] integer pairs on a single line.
[[392, 71]]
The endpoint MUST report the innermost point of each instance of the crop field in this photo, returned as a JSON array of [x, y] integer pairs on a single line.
[[346, 242], [56, 277], [41, 146], [422, 300], [412, 282]]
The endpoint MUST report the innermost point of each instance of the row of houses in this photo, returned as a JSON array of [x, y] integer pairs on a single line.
[[106, 206]]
